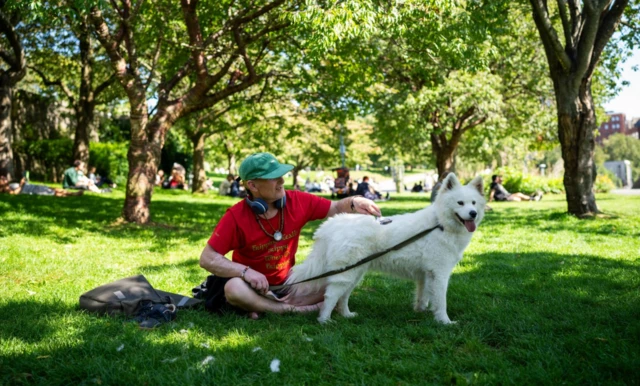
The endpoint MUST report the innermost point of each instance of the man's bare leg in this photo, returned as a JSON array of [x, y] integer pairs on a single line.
[[239, 294], [519, 197], [66, 193]]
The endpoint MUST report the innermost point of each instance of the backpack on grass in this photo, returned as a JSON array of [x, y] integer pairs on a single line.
[[127, 296]]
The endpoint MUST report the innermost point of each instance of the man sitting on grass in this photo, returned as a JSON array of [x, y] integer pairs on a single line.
[[263, 231], [499, 193], [74, 178]]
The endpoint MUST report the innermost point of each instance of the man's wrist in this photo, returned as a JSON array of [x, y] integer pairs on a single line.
[[244, 271]]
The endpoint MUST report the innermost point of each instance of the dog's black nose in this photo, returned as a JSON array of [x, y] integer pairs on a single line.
[[473, 214]]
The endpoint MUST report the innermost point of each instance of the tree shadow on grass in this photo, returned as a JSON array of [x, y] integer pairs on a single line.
[[62, 218], [569, 315], [550, 220]]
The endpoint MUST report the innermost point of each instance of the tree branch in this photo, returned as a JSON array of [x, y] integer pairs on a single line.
[[607, 27], [212, 99], [17, 61], [258, 13], [564, 16], [548, 34], [111, 47], [154, 63], [103, 86], [195, 38], [243, 53], [58, 83]]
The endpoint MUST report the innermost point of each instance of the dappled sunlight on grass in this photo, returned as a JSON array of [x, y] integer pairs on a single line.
[[539, 296]]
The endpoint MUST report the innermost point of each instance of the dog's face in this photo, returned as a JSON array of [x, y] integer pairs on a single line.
[[460, 207]]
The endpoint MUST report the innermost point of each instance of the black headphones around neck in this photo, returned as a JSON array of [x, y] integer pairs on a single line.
[[260, 206]]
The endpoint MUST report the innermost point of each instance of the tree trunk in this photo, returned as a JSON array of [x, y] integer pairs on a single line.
[[200, 177], [143, 158], [6, 153], [444, 161], [147, 139], [81, 140], [576, 125], [86, 105], [231, 161], [295, 172]]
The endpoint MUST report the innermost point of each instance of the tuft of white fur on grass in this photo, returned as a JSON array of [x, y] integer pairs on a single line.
[[256, 349], [306, 338], [207, 360], [120, 347], [275, 366], [183, 331], [169, 360], [205, 345]]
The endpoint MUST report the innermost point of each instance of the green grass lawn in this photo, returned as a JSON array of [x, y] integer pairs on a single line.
[[540, 298]]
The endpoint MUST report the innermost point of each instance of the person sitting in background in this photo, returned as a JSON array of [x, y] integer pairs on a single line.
[[38, 190], [499, 193], [176, 179], [98, 180], [74, 178], [159, 178], [365, 190], [417, 187], [230, 187]]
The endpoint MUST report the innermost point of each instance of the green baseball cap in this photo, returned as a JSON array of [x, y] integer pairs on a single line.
[[262, 165]]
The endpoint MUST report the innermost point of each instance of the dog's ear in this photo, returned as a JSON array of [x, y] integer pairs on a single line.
[[450, 182], [477, 184]]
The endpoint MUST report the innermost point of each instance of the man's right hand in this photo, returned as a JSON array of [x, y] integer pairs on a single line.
[[257, 281]]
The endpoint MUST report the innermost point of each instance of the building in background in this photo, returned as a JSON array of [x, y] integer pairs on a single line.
[[618, 123]]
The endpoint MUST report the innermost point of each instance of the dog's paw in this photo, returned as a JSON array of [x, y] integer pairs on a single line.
[[350, 314], [324, 320], [444, 319], [420, 307]]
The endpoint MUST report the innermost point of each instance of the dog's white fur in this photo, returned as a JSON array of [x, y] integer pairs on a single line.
[[429, 261]]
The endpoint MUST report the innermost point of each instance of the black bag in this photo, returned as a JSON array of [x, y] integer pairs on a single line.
[[125, 297], [211, 291]]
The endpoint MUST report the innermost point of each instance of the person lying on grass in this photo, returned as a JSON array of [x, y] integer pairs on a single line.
[[499, 193], [26, 188], [263, 231]]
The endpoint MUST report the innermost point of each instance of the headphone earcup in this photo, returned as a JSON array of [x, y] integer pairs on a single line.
[[281, 202], [258, 206]]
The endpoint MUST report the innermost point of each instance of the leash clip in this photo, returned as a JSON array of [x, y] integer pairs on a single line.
[[383, 221]]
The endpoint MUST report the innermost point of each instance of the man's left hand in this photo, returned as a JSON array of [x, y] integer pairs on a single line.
[[365, 206]]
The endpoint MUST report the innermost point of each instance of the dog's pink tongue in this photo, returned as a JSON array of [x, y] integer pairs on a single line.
[[470, 225]]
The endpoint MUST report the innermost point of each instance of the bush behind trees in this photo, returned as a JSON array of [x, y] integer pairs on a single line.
[[47, 159]]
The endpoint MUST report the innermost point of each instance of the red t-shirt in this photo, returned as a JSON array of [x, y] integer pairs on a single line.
[[238, 231]]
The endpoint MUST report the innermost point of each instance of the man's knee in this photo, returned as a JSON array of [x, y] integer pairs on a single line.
[[235, 289]]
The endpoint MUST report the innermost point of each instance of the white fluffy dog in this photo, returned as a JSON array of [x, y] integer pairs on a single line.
[[348, 238]]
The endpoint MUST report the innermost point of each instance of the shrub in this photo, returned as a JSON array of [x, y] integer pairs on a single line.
[[45, 159], [516, 181], [603, 184], [110, 160]]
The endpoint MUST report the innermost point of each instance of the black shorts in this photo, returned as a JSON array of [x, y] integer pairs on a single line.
[[212, 292]]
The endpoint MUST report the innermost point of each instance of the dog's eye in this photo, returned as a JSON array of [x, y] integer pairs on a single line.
[[473, 202], [460, 203]]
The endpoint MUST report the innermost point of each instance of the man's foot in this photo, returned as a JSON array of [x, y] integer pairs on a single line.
[[538, 196], [254, 315]]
